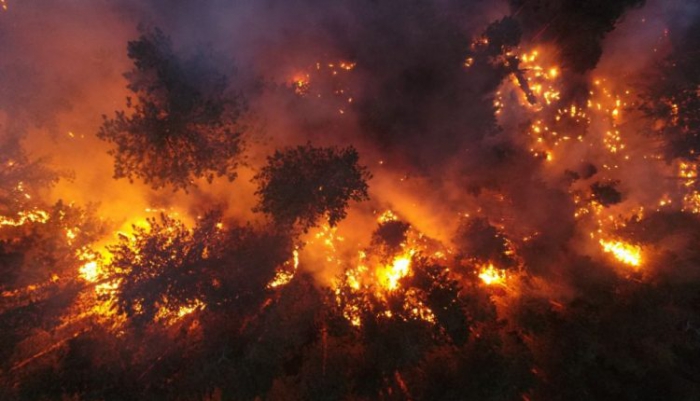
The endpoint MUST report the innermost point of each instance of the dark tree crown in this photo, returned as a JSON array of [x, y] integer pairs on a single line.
[[302, 184], [183, 125]]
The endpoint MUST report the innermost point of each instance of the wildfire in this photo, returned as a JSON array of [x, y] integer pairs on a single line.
[[89, 271], [691, 202], [388, 276], [377, 273], [169, 317], [386, 217], [284, 276], [490, 275], [624, 252], [30, 216]]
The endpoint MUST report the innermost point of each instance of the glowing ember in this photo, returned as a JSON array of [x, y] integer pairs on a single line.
[[301, 84], [625, 253]]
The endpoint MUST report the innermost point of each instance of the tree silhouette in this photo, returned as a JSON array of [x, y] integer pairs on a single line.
[[302, 184], [477, 240], [163, 266], [606, 193], [183, 125], [167, 266]]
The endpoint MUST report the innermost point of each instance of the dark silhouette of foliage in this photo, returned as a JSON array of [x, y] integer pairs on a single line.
[[476, 239], [502, 35], [21, 176], [390, 235], [442, 295], [301, 185], [184, 123], [166, 266], [605, 193], [576, 27], [162, 266]]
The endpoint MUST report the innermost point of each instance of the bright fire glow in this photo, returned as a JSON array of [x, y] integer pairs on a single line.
[[625, 253], [284, 276], [169, 317], [33, 216], [490, 275], [389, 275], [89, 271]]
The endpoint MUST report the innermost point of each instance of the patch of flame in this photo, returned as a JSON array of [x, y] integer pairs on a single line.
[[388, 276], [387, 216], [283, 277], [169, 317], [624, 252], [30, 216], [490, 275]]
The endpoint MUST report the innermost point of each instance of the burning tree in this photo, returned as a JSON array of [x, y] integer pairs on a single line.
[[161, 269], [184, 125], [167, 271], [300, 185]]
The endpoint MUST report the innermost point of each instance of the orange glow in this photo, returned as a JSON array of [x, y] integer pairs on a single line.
[[388, 276], [284, 276], [625, 253], [490, 275], [170, 317], [23, 217]]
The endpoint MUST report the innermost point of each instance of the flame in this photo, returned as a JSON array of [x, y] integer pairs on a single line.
[[23, 217], [388, 276], [624, 252], [386, 217], [169, 317], [89, 271], [490, 275], [284, 276]]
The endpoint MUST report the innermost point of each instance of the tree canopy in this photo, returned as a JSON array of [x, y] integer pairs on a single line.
[[184, 124], [302, 184]]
